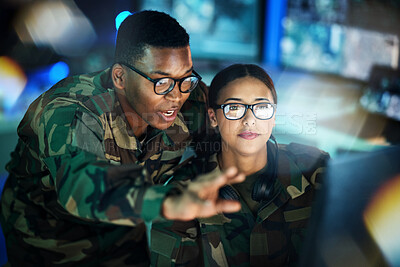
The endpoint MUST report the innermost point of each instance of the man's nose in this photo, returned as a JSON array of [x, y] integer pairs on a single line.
[[175, 94]]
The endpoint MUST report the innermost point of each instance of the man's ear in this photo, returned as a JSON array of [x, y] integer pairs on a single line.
[[118, 76], [213, 117]]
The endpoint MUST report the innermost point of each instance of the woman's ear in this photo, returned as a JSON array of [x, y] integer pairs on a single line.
[[118, 76], [213, 117], [272, 125], [274, 122]]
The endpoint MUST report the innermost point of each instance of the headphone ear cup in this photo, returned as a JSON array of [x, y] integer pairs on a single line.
[[255, 193], [263, 189], [228, 193]]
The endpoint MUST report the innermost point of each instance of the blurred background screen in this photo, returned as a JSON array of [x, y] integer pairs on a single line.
[[219, 30], [337, 37]]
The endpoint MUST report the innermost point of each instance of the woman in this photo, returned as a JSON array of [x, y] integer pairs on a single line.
[[277, 194]]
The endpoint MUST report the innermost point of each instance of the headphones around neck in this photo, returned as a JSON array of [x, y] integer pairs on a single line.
[[263, 189]]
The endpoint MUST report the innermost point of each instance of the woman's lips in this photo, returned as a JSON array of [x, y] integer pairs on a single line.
[[248, 135]]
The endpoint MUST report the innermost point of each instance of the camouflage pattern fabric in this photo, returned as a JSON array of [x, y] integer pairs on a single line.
[[80, 184], [272, 237]]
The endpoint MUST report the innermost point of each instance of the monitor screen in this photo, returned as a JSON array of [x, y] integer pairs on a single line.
[[219, 30], [342, 37], [355, 221]]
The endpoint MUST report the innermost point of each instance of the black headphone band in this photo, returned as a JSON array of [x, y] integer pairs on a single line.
[[263, 189]]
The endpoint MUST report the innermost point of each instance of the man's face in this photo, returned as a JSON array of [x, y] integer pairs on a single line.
[[148, 108]]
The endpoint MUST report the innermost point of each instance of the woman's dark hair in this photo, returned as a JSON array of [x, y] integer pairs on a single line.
[[234, 72], [147, 28]]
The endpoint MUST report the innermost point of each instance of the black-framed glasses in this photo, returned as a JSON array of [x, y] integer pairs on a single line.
[[163, 86], [236, 111]]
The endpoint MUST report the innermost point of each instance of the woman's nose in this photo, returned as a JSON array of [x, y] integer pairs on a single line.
[[249, 118]]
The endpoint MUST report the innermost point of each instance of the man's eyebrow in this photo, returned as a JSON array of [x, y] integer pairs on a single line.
[[168, 74]]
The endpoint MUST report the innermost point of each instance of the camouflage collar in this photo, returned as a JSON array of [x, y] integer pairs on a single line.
[[289, 174], [289, 184]]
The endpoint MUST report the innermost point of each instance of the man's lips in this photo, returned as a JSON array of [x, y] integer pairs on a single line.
[[248, 135], [169, 115]]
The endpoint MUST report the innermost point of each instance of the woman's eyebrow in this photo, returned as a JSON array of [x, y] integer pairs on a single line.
[[262, 98], [239, 99], [233, 98]]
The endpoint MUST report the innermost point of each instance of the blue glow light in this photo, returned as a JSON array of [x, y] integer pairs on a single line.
[[275, 12], [120, 18], [58, 71]]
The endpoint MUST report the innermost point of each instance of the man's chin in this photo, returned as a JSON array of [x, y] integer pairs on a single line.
[[161, 125]]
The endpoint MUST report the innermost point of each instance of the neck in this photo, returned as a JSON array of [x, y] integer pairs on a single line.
[[245, 163], [138, 125]]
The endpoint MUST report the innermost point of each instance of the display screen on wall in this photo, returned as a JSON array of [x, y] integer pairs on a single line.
[[219, 30], [346, 51], [344, 37]]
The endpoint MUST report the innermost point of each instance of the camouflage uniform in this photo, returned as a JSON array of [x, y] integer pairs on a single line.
[[271, 237], [80, 183]]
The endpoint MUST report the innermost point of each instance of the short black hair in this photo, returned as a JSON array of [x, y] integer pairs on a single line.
[[234, 72], [147, 28]]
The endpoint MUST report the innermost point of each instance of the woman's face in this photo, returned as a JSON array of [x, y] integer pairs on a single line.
[[247, 135]]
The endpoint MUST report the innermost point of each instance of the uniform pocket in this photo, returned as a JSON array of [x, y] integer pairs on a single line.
[[163, 248], [175, 243]]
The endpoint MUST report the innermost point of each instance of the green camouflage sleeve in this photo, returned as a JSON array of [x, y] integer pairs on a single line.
[[70, 144], [194, 111]]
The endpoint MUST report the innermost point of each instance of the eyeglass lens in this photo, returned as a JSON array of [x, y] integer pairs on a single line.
[[261, 111], [167, 84]]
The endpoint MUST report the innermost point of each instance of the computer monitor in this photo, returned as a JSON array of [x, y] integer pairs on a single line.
[[356, 218]]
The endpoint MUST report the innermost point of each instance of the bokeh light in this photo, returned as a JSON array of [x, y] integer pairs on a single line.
[[58, 24], [382, 218], [12, 82], [121, 17]]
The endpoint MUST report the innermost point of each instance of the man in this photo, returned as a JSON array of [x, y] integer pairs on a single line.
[[91, 149]]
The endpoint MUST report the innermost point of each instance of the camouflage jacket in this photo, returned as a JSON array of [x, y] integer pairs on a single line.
[[271, 238], [80, 184]]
